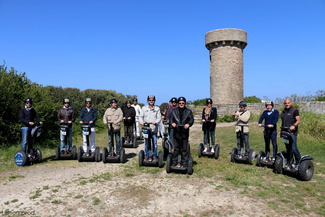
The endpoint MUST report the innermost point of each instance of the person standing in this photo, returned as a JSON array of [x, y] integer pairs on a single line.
[[66, 115], [88, 115], [151, 114], [209, 116], [28, 116], [137, 115], [181, 120], [112, 117], [129, 120], [291, 119], [270, 117]]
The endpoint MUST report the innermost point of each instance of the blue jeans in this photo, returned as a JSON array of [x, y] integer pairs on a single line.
[[117, 142], [69, 139], [294, 150], [154, 145], [26, 139], [212, 137]]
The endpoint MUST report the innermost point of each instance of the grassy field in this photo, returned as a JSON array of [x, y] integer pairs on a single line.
[[282, 193]]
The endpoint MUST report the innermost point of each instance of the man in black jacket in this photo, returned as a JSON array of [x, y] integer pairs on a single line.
[[181, 120], [129, 120]]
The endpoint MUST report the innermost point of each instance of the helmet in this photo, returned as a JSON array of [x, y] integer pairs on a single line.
[[88, 100], [135, 99], [127, 101], [113, 100], [66, 101], [174, 99], [269, 103], [209, 101], [151, 97], [181, 99], [242, 103], [30, 100]]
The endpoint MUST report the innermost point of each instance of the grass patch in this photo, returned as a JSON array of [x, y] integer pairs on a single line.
[[56, 201], [14, 177], [36, 195], [96, 201]]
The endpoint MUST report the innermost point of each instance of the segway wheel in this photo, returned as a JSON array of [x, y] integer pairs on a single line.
[[20, 158], [104, 155], [190, 165], [278, 164], [122, 155], [251, 156], [141, 157], [123, 141], [306, 170], [216, 151], [74, 152], [160, 159], [259, 158], [169, 163], [233, 154], [57, 153], [80, 153], [166, 151], [39, 155], [97, 154], [135, 143], [199, 150]]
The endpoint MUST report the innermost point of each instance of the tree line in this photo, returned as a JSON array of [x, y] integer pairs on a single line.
[[15, 87]]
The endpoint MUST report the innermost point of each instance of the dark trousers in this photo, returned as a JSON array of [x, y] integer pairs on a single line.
[[128, 133], [270, 135], [294, 150], [181, 147], [246, 141]]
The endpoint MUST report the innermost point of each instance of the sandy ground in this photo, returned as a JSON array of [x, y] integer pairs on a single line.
[[70, 188]]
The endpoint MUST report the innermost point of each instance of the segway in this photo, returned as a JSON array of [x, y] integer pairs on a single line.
[[166, 143], [208, 153], [66, 155], [170, 168], [133, 144], [305, 168], [147, 134], [113, 158], [239, 155], [34, 154], [263, 158], [88, 155]]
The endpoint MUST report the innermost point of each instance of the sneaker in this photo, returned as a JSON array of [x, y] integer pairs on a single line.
[[178, 165], [131, 143], [146, 158], [212, 150], [155, 159], [150, 159], [240, 156], [62, 152], [205, 150], [126, 142]]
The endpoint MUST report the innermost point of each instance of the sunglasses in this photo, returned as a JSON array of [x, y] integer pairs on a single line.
[[181, 103], [150, 100]]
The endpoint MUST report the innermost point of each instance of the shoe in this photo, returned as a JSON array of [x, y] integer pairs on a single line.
[[288, 167], [126, 142], [212, 150], [131, 143], [150, 159], [62, 152], [205, 150], [240, 156], [146, 158], [155, 159], [178, 165]]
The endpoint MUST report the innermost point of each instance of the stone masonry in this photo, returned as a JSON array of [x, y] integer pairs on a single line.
[[226, 64]]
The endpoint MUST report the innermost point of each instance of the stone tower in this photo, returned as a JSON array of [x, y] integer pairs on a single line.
[[226, 64]]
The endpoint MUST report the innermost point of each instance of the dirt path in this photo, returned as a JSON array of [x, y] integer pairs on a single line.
[[70, 188]]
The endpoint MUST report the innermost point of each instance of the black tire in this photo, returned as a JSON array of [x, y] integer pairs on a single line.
[[141, 157], [278, 165], [57, 153], [80, 153], [39, 155], [306, 170], [216, 151], [22, 158], [74, 152], [123, 141], [97, 154], [259, 157], [169, 163], [122, 155], [199, 150], [233, 154], [251, 156], [160, 159], [135, 143], [190, 165], [104, 155]]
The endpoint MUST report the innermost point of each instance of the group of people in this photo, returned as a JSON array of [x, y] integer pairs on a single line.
[[179, 118]]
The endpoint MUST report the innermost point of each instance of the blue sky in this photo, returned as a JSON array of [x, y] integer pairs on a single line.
[[157, 47]]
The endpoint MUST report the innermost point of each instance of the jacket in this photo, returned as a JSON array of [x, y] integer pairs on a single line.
[[27, 116], [243, 119], [211, 116], [113, 115], [150, 115], [187, 118], [66, 114], [128, 112], [87, 116], [288, 117]]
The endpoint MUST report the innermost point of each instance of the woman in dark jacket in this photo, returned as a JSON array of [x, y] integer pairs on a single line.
[[209, 116]]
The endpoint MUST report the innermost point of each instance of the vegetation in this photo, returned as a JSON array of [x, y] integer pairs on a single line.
[[252, 99]]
